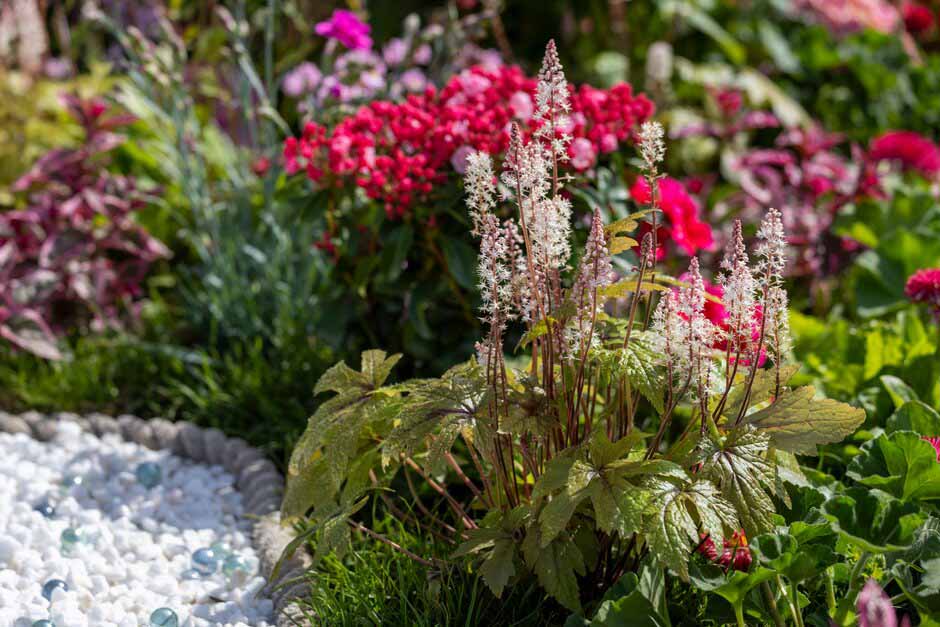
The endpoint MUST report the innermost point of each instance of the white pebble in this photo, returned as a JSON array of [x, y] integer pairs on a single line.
[[136, 541]]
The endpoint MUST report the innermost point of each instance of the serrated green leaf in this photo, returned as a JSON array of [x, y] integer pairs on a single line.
[[556, 566], [671, 523], [376, 367], [740, 466], [498, 567], [765, 382], [797, 422]]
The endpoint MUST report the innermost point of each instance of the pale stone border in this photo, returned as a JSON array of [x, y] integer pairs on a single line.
[[258, 479]]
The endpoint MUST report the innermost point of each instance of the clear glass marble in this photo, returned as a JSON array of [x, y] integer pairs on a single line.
[[232, 564], [45, 508], [206, 561], [164, 617], [51, 586], [148, 474], [43, 623]]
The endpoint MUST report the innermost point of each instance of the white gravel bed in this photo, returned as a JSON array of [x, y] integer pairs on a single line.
[[135, 543]]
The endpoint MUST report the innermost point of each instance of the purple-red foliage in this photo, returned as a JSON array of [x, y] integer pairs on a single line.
[[73, 257]]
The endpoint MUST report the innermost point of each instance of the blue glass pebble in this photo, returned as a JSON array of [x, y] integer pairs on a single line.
[[233, 563], [43, 623], [205, 561], [45, 508], [149, 474], [164, 617], [70, 537], [191, 574], [51, 586]]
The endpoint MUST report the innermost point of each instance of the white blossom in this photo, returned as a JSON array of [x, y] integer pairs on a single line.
[[478, 182], [652, 146]]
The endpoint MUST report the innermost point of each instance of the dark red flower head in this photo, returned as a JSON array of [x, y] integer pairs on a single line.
[[917, 17], [924, 287]]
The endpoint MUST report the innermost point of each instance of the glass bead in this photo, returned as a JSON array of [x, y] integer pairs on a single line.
[[205, 561], [220, 549], [70, 537], [232, 564], [43, 623], [191, 574], [45, 508], [164, 617], [148, 474], [51, 586], [71, 481]]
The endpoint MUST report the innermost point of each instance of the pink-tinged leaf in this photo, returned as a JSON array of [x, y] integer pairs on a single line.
[[31, 334]]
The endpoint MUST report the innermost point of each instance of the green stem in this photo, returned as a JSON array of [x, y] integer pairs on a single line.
[[854, 587], [739, 614], [798, 614], [772, 604], [830, 592]]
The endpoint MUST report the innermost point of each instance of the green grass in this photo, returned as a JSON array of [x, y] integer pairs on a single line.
[[254, 393], [374, 584]]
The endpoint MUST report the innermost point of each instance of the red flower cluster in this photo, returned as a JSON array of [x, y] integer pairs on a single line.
[[684, 226], [735, 554], [913, 151], [924, 287], [398, 152]]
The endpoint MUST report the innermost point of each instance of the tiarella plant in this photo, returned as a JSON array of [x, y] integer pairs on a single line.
[[631, 429]]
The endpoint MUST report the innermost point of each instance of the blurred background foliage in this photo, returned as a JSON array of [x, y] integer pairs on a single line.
[[252, 306]]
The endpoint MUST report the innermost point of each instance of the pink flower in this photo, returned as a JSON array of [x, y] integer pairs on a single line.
[[874, 607], [735, 553], [459, 158], [582, 154], [521, 105], [924, 287], [917, 17], [684, 226], [914, 151], [347, 28]]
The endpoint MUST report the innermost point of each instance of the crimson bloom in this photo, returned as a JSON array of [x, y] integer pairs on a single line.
[[924, 287], [912, 150], [735, 555], [684, 226], [347, 28], [917, 17]]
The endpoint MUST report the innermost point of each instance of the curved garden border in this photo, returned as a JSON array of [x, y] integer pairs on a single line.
[[257, 478]]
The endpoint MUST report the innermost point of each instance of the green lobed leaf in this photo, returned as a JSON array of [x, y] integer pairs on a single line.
[[914, 416], [797, 422], [677, 513], [901, 463], [740, 466], [556, 566], [873, 520]]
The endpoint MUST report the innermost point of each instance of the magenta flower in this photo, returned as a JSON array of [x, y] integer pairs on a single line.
[[913, 151], [924, 287], [347, 28], [874, 607]]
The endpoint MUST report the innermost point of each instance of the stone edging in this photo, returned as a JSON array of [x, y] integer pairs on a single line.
[[256, 477]]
